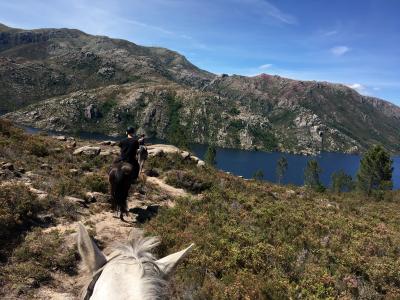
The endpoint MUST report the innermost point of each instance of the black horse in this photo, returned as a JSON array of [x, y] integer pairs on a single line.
[[121, 176]]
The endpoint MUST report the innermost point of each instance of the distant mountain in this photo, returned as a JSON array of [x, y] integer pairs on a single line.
[[67, 80]]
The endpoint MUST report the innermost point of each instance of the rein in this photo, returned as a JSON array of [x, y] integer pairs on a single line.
[[96, 276]]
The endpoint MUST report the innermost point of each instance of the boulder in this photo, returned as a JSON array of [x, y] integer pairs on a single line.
[[7, 166], [105, 153], [74, 199], [201, 163], [74, 171], [45, 218], [96, 197], [195, 159], [39, 193], [61, 138], [32, 175], [56, 150], [46, 167], [88, 150], [157, 149], [185, 154]]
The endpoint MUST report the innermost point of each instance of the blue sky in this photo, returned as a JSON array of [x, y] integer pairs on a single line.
[[355, 42]]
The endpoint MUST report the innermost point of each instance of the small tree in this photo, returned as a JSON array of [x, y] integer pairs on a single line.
[[281, 168], [341, 182], [311, 176], [258, 175], [375, 172], [210, 156]]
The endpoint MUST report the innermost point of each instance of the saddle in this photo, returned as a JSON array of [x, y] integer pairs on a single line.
[[125, 166]]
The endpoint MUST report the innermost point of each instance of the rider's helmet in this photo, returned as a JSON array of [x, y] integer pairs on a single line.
[[130, 130]]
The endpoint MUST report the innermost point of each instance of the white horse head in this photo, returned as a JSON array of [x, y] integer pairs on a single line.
[[131, 272]]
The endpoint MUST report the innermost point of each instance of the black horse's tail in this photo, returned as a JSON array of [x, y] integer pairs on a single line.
[[120, 178]]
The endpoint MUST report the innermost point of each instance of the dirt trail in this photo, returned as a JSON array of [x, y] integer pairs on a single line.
[[109, 229]]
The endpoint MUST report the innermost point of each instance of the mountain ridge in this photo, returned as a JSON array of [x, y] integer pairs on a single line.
[[43, 71]]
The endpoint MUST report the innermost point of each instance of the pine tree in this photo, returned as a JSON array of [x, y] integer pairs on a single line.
[[375, 172], [341, 182], [210, 156], [258, 175], [281, 168], [311, 176]]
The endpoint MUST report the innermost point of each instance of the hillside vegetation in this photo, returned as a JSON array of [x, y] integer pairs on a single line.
[[67, 80], [254, 240]]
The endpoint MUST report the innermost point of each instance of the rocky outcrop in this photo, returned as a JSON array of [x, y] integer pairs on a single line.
[[87, 150]]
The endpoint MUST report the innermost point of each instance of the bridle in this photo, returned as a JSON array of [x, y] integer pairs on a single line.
[[95, 277]]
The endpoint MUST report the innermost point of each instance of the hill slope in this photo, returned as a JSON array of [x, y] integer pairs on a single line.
[[254, 240], [63, 79]]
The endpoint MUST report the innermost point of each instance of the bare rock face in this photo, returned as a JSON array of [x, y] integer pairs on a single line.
[[106, 72]]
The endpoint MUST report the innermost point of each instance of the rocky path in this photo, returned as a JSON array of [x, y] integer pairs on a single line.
[[109, 230]]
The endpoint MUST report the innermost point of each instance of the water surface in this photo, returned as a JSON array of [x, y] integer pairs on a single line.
[[245, 163]]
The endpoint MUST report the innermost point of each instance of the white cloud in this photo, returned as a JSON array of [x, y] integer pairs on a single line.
[[276, 13], [358, 87], [267, 9], [330, 33], [266, 66], [376, 88], [339, 50]]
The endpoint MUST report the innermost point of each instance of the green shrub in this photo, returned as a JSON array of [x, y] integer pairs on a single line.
[[234, 111], [266, 137], [168, 162], [38, 149], [18, 207], [96, 183], [187, 180], [107, 106], [67, 186], [40, 254], [251, 246]]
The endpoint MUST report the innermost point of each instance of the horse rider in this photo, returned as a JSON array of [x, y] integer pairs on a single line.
[[142, 153], [142, 140], [129, 147]]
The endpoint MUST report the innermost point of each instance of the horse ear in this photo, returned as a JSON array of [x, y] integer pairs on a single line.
[[91, 255], [168, 263]]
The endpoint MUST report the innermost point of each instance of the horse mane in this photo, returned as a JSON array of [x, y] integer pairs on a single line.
[[139, 249]]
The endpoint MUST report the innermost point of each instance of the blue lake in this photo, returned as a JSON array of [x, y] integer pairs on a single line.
[[246, 163]]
